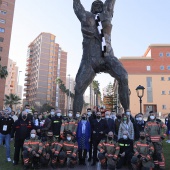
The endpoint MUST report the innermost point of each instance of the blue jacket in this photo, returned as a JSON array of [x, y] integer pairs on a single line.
[[87, 134]]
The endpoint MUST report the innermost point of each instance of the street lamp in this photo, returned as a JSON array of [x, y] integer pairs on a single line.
[[140, 93], [18, 81], [129, 97], [68, 106]]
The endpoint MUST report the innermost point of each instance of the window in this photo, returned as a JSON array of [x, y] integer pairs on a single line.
[[148, 68], [161, 54], [168, 54], [163, 92], [163, 106], [162, 79], [3, 12], [168, 67], [2, 29], [2, 21], [1, 39], [1, 48], [161, 67], [5, 3]]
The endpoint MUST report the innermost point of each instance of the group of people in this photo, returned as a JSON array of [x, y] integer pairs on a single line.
[[114, 139]]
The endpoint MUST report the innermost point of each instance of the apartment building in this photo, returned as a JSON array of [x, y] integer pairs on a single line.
[[6, 20], [152, 71], [45, 62]]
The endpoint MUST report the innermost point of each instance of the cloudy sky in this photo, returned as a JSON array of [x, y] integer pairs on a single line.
[[136, 25]]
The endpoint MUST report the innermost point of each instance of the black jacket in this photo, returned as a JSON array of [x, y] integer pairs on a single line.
[[56, 123], [6, 125], [138, 127], [21, 129], [98, 127], [126, 145], [111, 125]]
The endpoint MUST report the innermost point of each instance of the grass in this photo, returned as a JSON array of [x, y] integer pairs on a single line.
[[4, 165]]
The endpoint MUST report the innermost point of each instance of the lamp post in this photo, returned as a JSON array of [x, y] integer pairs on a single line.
[[140, 93], [129, 97], [18, 82]]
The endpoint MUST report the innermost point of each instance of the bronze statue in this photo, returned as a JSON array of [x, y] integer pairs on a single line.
[[98, 54]]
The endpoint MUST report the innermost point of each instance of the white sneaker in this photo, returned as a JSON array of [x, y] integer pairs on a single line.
[[9, 159]]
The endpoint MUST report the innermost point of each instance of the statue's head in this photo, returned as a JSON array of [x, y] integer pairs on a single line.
[[97, 7]]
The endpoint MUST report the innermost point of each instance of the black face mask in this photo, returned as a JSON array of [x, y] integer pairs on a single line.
[[35, 116], [83, 118], [50, 137], [110, 138], [142, 137], [24, 116], [98, 117], [119, 117]]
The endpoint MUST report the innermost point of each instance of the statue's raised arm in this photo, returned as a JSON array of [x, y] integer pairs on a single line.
[[109, 6], [79, 10]]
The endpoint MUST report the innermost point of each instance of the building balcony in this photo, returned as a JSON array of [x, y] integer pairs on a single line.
[[27, 74], [26, 95], [26, 89], [26, 79], [27, 84], [28, 69], [28, 64]]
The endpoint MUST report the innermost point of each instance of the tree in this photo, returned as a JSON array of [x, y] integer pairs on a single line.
[[46, 108], [3, 71], [95, 85], [11, 100]]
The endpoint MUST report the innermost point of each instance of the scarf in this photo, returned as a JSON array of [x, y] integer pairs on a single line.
[[83, 126], [100, 30]]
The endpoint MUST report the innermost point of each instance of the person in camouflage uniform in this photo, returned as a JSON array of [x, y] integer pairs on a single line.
[[109, 151], [70, 124], [143, 152], [50, 150], [156, 132], [69, 151], [32, 151]]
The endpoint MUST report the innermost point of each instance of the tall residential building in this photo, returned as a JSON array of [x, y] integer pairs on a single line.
[[11, 80], [6, 20], [45, 62], [152, 70]]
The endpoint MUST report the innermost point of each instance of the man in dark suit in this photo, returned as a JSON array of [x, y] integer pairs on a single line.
[[99, 129], [110, 122]]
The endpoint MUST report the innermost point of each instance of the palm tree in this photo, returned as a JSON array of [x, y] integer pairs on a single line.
[[11, 100]]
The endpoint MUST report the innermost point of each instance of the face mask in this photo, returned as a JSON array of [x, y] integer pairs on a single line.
[[140, 118], [35, 116], [27, 110], [119, 117], [89, 113], [142, 137], [70, 115], [32, 135], [98, 117], [110, 138], [24, 116], [77, 115], [52, 113], [107, 117], [84, 118], [152, 117], [58, 114], [128, 113], [69, 138], [124, 136]]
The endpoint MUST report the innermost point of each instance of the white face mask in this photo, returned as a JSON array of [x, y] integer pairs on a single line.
[[152, 117], [107, 117], [128, 113], [124, 136], [124, 121], [89, 113], [70, 115], [52, 113], [140, 118], [137, 118], [68, 138], [58, 114], [32, 135], [77, 115]]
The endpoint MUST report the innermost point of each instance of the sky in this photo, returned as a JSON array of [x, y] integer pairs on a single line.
[[136, 25]]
